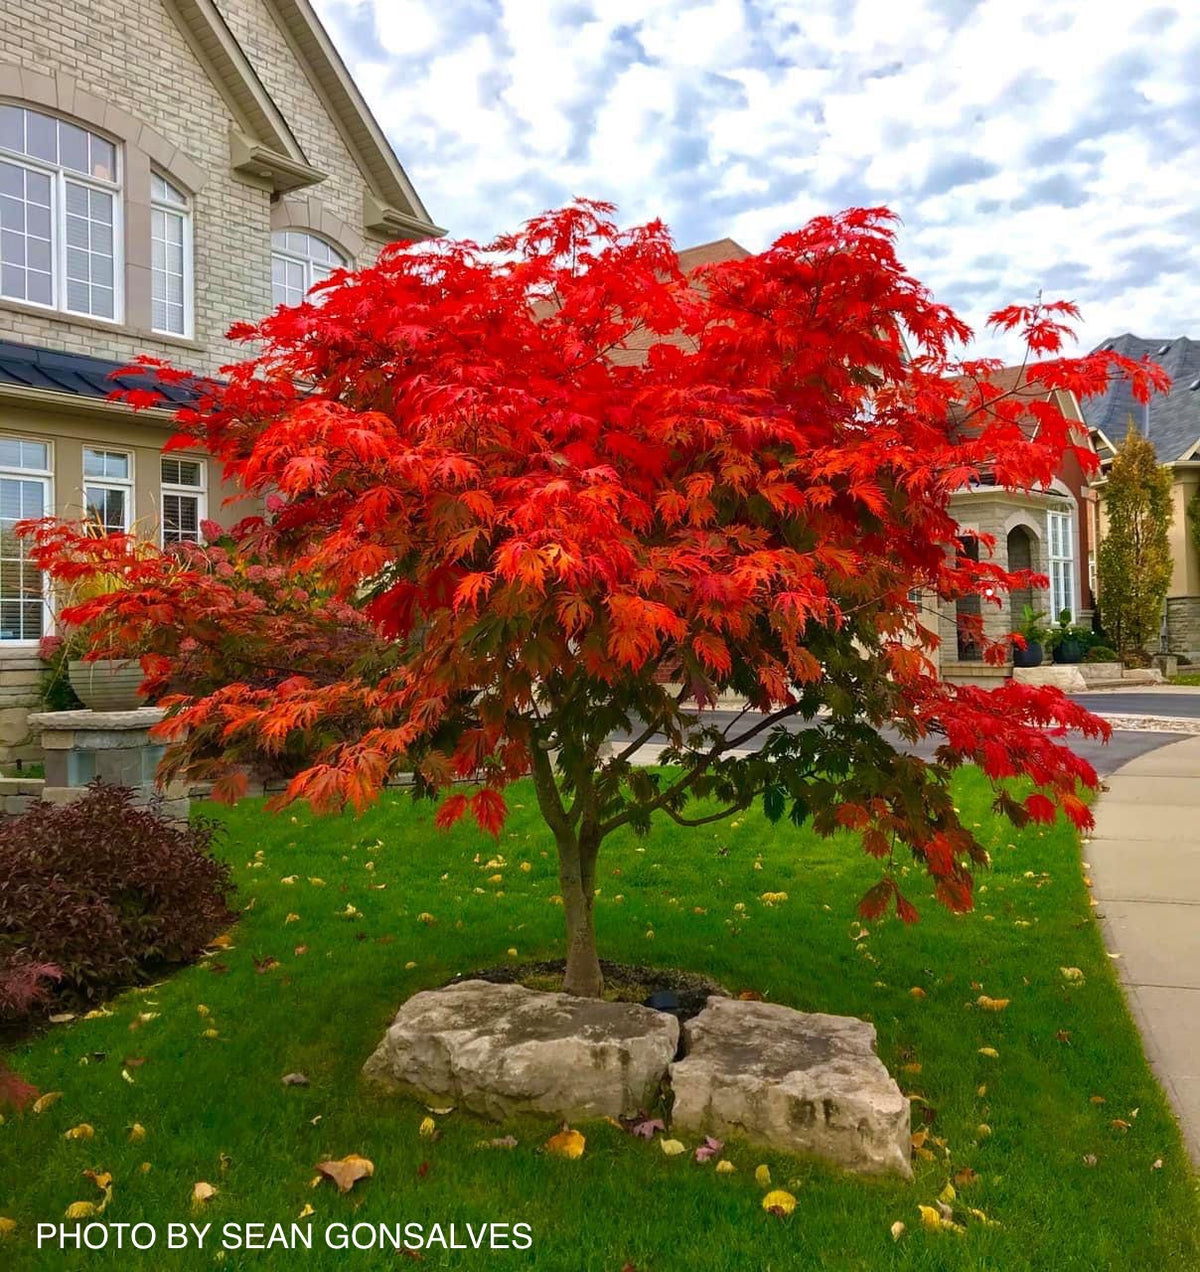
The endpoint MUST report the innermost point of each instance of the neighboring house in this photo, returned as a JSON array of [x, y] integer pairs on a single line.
[[1172, 423], [1049, 531], [166, 168]]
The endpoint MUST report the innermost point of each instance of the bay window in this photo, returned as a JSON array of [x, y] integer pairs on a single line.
[[108, 489], [59, 215], [1060, 563], [182, 499], [24, 493]]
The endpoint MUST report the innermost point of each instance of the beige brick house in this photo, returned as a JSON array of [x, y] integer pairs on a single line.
[[167, 167]]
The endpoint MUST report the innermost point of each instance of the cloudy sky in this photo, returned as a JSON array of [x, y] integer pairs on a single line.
[[1026, 144]]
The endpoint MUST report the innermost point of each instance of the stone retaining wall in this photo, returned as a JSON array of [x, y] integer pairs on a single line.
[[1183, 626], [21, 672]]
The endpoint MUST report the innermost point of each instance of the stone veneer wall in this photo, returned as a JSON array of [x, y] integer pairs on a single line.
[[20, 692], [1183, 626]]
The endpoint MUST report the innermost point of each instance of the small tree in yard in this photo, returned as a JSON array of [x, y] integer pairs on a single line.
[[1134, 565], [490, 546]]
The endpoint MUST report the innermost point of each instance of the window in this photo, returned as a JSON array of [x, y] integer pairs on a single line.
[[24, 492], [170, 258], [298, 260], [108, 490], [182, 499], [1061, 563], [59, 215]]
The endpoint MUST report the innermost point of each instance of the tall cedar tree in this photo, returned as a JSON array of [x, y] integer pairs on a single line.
[[1134, 565], [489, 546]]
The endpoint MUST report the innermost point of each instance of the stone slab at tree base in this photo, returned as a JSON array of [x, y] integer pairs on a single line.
[[801, 1082], [504, 1050], [1064, 676]]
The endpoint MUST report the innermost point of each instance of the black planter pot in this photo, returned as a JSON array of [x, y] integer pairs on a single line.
[[1030, 656], [1069, 651]]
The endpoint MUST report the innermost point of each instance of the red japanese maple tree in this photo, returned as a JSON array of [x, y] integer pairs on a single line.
[[490, 546]]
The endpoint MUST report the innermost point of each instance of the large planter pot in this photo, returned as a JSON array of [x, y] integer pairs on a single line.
[[1069, 651], [109, 684], [1030, 656]]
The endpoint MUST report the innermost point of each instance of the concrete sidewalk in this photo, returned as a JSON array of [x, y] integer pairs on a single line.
[[1145, 870]]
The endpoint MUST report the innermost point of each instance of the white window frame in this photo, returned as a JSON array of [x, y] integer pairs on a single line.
[[199, 493], [306, 260], [124, 484], [46, 477], [184, 213], [1061, 563], [59, 177]]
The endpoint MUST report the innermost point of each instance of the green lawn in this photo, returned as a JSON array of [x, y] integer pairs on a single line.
[[214, 1109], [1186, 678]]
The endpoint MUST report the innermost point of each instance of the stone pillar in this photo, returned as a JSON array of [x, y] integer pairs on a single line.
[[109, 746]]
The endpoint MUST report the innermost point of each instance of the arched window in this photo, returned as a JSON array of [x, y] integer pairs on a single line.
[[59, 215], [298, 260], [170, 258]]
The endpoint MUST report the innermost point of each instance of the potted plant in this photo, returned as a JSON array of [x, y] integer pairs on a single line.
[[1067, 641], [1035, 631], [103, 684]]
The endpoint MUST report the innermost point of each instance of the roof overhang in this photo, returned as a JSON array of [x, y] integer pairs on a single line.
[[64, 403], [399, 212], [262, 144]]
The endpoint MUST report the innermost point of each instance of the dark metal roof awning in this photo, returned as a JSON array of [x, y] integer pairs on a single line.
[[56, 371]]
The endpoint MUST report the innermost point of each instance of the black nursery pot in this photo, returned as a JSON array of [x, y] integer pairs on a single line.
[[1069, 651], [1030, 656]]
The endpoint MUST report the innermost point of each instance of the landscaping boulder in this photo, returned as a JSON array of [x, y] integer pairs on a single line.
[[501, 1050], [801, 1082]]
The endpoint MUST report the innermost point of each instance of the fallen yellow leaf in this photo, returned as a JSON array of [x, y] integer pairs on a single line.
[[292, 918], [1071, 973], [990, 1052], [348, 1171], [317, 883], [779, 1201], [81, 1210], [137, 1133], [7, 1226], [762, 1176], [671, 1147], [83, 1131], [427, 1129], [917, 992], [567, 1143], [222, 942], [898, 1229], [426, 918], [43, 1102], [725, 1167], [202, 1192], [947, 1194], [308, 1210], [992, 1004]]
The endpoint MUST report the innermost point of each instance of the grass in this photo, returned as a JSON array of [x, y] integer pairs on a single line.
[[214, 1108], [1186, 678]]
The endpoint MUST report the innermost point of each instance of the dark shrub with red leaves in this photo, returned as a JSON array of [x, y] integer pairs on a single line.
[[106, 892]]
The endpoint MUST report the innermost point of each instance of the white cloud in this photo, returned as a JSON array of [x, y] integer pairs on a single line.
[[1023, 143]]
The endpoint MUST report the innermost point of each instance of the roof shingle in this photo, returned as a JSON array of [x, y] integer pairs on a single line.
[[1174, 417]]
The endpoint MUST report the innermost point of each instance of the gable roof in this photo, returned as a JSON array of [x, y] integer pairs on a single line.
[[1015, 381], [634, 352], [1174, 417], [263, 144]]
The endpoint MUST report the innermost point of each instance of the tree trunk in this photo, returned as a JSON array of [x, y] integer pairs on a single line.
[[577, 878]]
